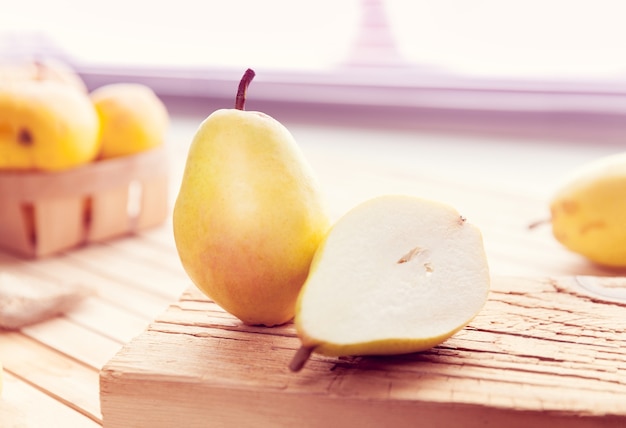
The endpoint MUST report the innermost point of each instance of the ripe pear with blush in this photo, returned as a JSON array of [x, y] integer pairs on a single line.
[[588, 211], [395, 275], [249, 215], [133, 119]]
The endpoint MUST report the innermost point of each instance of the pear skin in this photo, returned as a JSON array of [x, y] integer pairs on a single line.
[[249, 216], [588, 212], [46, 126], [133, 119]]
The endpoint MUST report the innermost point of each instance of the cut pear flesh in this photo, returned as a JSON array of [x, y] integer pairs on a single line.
[[397, 274]]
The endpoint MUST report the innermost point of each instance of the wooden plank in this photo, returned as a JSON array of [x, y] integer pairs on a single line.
[[146, 252], [109, 217], [67, 380], [24, 405], [154, 203], [542, 352], [59, 224], [107, 320], [108, 307], [102, 260], [15, 229], [81, 344], [138, 300]]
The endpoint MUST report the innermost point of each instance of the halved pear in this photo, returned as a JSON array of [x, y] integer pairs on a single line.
[[397, 274]]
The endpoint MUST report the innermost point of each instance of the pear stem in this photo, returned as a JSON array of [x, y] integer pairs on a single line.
[[538, 223], [240, 100], [301, 357]]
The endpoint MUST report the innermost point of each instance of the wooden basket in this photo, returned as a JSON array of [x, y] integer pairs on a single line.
[[45, 213]]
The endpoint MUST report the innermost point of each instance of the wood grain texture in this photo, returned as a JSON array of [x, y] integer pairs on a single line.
[[59, 359], [65, 379], [19, 398], [542, 351]]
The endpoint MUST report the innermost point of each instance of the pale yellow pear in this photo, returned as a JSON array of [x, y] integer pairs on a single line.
[[47, 126], [588, 212], [249, 215], [133, 119], [396, 274]]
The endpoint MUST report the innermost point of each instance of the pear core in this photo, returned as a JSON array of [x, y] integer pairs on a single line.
[[396, 274]]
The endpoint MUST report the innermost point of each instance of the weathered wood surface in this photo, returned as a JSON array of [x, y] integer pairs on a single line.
[[500, 183], [541, 352], [51, 369]]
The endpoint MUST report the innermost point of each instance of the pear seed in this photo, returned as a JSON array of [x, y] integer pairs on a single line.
[[429, 268]]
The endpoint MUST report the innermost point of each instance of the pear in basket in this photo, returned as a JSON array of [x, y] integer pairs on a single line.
[[46, 126]]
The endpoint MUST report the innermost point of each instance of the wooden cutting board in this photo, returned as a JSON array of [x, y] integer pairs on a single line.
[[542, 352]]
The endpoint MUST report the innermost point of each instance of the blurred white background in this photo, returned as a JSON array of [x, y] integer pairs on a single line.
[[552, 65], [549, 39]]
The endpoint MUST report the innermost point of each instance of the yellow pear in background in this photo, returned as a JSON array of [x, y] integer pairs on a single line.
[[249, 214], [46, 125], [397, 274], [133, 119], [589, 211]]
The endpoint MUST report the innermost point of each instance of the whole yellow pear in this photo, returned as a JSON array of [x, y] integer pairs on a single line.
[[46, 125], [133, 119], [249, 214], [589, 211]]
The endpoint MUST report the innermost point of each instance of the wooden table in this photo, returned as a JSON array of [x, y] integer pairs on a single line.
[[499, 181]]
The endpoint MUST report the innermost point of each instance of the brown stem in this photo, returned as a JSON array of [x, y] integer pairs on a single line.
[[240, 101], [538, 223], [301, 357]]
